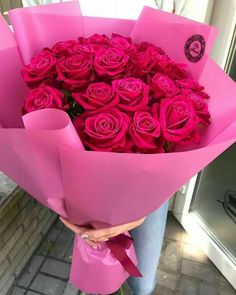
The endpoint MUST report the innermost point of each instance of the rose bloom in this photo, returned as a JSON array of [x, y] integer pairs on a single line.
[[75, 71], [120, 42], [157, 55], [163, 86], [41, 69], [145, 59], [199, 105], [102, 40], [44, 97], [90, 49], [178, 119], [145, 130], [190, 83], [143, 46], [72, 47], [64, 48], [173, 70], [110, 63], [141, 64], [106, 131], [133, 94], [97, 98]]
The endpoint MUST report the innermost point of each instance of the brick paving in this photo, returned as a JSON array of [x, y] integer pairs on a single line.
[[183, 269]]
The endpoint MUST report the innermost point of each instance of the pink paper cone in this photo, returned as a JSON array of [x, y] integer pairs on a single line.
[[47, 158], [37, 27], [171, 32], [11, 97], [94, 270]]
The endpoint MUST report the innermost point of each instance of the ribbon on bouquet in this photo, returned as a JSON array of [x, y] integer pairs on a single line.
[[118, 246]]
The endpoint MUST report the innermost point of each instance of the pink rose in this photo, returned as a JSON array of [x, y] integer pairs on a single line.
[[128, 39], [178, 119], [102, 40], [173, 70], [144, 46], [85, 48], [64, 48], [199, 105], [97, 98], [111, 63], [141, 64], [203, 94], [44, 97], [163, 86], [145, 59], [75, 71], [105, 131], [161, 59], [133, 94], [73, 47], [121, 42], [145, 130], [158, 55], [190, 83], [41, 69]]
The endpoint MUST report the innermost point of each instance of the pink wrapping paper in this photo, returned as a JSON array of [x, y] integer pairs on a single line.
[[48, 160], [86, 258], [39, 26], [170, 32], [11, 104], [107, 26]]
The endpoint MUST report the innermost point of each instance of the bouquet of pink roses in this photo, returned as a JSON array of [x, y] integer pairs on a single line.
[[122, 96], [139, 112]]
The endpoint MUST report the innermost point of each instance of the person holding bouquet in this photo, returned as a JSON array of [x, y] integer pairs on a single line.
[[147, 234], [125, 98]]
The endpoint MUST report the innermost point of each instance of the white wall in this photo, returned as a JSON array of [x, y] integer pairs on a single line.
[[107, 8], [224, 18], [199, 10]]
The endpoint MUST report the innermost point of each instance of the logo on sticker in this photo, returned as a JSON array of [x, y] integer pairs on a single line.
[[195, 47]]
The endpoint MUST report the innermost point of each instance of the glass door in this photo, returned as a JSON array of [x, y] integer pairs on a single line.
[[214, 201], [230, 66], [206, 205], [214, 198]]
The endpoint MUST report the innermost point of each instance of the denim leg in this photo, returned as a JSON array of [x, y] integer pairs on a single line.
[[148, 239]]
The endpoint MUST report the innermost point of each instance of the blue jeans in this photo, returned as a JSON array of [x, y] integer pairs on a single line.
[[148, 239]]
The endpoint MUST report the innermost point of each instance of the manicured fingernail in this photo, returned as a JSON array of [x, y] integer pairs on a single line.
[[95, 247], [84, 237]]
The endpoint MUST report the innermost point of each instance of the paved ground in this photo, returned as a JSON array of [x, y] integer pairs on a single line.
[[183, 269]]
